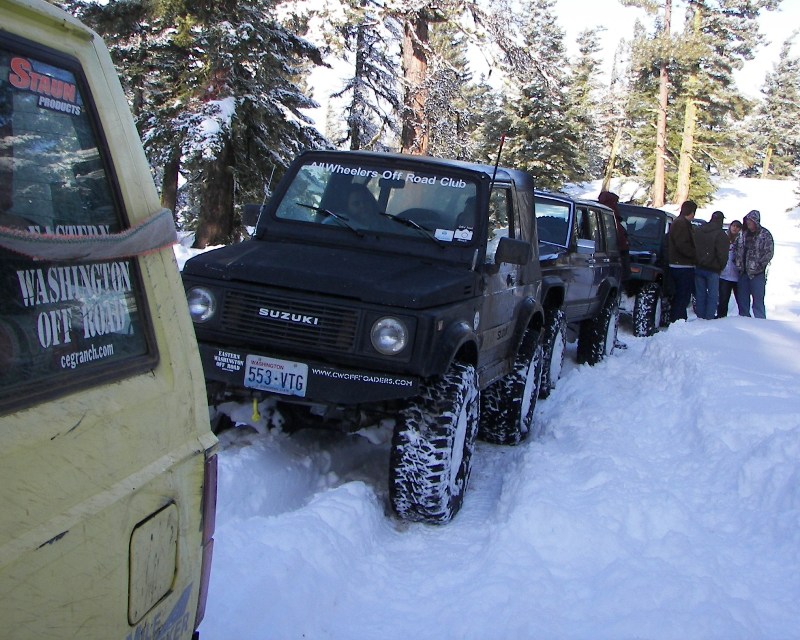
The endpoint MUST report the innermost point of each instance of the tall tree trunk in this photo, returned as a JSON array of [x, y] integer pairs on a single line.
[[215, 224], [687, 148], [357, 105], [169, 183], [767, 162], [414, 137], [659, 179], [612, 159], [689, 125]]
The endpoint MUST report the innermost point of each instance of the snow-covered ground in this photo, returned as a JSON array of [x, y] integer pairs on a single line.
[[663, 501]]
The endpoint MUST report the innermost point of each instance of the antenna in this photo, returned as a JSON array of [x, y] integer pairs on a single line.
[[497, 162], [267, 190]]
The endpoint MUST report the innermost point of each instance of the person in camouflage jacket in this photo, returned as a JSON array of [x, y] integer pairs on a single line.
[[754, 250]]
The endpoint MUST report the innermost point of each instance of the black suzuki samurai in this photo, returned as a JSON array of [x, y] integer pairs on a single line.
[[381, 285]]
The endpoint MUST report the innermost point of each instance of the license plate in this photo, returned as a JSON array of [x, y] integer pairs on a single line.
[[279, 376]]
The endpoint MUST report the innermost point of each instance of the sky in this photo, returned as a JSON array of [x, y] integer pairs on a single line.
[[575, 16], [660, 501], [776, 26]]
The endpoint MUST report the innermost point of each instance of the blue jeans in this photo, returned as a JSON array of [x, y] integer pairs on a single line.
[[683, 279], [725, 289], [706, 293], [752, 287]]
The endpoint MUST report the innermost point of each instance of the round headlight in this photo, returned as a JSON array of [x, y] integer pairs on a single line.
[[202, 304], [389, 336]]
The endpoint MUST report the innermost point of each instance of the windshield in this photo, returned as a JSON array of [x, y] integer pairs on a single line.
[[644, 231], [365, 196]]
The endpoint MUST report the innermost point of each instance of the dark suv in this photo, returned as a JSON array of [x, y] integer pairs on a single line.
[[648, 289], [582, 273], [381, 285]]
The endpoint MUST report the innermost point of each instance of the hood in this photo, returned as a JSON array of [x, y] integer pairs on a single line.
[[755, 216], [377, 278]]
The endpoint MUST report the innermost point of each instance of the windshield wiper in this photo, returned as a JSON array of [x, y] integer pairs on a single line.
[[408, 222], [336, 216]]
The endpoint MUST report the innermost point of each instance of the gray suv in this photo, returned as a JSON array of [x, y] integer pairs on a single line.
[[582, 279]]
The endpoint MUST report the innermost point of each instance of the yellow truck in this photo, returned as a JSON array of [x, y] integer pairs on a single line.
[[107, 460]]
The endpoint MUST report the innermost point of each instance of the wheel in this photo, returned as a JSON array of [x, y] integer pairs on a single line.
[[507, 405], [647, 312], [665, 312], [432, 447], [554, 345], [597, 335]]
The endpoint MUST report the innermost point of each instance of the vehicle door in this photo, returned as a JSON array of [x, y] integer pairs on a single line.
[[503, 281], [584, 262], [555, 221], [608, 266]]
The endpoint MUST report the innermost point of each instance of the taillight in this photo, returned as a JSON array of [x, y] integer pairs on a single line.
[[209, 524]]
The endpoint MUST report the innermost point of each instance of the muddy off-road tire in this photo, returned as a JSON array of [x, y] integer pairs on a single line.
[[507, 406], [432, 448], [554, 343], [597, 336]]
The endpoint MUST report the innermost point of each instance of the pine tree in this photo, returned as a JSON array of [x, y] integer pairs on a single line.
[[453, 110], [417, 19], [614, 120], [777, 126], [702, 136], [368, 36], [219, 97], [584, 105], [723, 34], [541, 138]]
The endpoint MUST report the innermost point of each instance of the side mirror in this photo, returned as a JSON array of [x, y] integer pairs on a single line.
[[513, 251], [586, 246]]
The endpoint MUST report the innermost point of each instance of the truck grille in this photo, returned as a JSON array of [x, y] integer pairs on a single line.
[[279, 321]]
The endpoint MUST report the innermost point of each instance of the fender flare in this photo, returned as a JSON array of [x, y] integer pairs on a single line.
[[531, 314], [459, 337], [607, 288], [549, 283]]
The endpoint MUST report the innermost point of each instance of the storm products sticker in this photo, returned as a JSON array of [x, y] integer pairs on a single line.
[[53, 93]]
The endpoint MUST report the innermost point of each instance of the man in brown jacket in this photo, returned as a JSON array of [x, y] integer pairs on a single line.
[[682, 256], [711, 244]]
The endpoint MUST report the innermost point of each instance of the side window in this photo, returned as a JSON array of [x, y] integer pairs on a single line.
[[610, 232], [587, 226], [501, 220], [63, 325], [552, 221]]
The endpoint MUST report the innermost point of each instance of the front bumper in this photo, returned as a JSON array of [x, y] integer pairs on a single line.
[[309, 380]]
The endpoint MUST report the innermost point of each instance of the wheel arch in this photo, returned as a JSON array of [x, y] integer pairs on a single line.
[[531, 315], [459, 344], [608, 289], [553, 292]]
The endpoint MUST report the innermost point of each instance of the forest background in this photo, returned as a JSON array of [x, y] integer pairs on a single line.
[[223, 92]]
